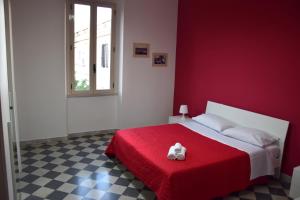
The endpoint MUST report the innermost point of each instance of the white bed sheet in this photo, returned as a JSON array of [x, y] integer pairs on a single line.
[[262, 161]]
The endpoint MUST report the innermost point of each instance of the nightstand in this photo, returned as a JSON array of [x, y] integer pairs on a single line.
[[295, 185], [178, 119]]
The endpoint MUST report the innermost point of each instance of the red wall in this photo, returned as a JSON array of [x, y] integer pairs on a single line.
[[244, 54]]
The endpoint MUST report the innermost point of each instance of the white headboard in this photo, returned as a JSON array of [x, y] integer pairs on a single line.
[[273, 126]]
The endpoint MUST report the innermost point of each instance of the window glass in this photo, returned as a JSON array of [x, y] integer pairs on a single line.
[[103, 51], [81, 47]]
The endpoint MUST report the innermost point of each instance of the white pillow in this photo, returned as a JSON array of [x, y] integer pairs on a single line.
[[250, 135], [214, 122]]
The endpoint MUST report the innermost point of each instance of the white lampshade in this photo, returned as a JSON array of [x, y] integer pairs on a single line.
[[183, 109]]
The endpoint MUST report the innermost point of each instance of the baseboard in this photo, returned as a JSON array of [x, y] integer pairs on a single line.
[[71, 135], [38, 141], [91, 133], [285, 178]]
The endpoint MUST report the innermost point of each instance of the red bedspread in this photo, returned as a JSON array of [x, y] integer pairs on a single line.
[[211, 169]]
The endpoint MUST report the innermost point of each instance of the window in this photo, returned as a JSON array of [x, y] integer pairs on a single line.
[[90, 48]]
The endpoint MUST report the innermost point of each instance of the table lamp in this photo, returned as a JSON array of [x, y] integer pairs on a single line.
[[183, 110]]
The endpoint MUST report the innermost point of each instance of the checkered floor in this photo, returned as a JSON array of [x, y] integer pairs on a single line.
[[78, 169]]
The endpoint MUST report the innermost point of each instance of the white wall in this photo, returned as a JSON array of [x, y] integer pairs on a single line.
[[38, 33], [146, 92], [91, 114]]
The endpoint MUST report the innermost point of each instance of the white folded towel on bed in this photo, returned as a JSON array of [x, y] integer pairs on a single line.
[[181, 154], [178, 147], [172, 153]]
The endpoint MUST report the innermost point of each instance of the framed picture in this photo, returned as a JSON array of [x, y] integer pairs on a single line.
[[159, 59], [141, 49]]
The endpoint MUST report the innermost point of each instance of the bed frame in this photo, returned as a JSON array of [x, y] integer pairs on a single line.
[[273, 126]]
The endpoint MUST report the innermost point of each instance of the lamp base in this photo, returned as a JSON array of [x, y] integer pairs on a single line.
[[183, 117]]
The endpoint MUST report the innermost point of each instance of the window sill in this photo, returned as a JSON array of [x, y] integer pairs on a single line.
[[92, 95]]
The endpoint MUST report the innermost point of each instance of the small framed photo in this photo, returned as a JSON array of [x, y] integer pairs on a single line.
[[159, 59], [141, 49]]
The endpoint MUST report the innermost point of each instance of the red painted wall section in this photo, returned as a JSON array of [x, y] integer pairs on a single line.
[[244, 54]]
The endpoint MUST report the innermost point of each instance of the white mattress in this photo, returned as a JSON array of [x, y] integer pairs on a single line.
[[263, 161]]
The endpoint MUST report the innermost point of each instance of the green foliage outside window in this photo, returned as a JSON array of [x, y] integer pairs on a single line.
[[81, 85]]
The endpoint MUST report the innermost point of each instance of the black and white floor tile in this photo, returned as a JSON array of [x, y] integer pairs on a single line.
[[77, 168]]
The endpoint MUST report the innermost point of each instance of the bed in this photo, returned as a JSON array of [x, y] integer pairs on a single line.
[[215, 165]]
